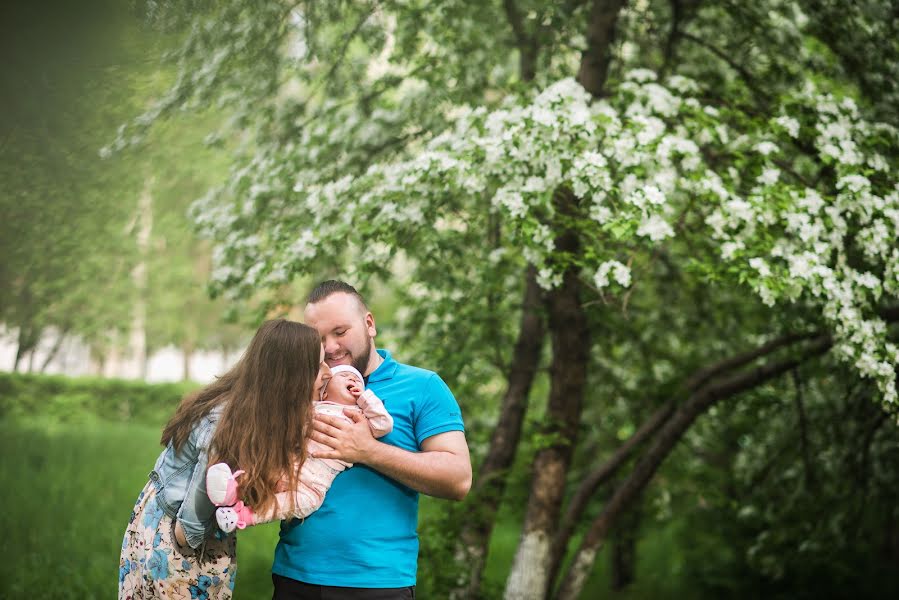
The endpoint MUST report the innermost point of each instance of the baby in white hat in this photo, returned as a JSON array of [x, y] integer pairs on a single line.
[[345, 391]]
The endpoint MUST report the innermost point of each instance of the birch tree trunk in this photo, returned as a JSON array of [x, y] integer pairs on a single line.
[[596, 478], [54, 350], [529, 577], [137, 339], [490, 485], [187, 350], [491, 476]]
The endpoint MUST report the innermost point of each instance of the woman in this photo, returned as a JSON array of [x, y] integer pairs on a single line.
[[256, 417]]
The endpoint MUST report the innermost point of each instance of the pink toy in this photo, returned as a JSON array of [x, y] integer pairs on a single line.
[[221, 484], [230, 517]]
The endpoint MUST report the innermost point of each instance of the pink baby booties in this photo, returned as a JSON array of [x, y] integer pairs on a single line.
[[221, 484]]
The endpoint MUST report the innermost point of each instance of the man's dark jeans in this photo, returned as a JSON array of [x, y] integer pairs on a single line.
[[291, 589]]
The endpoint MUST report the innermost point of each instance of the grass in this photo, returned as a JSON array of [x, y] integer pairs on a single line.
[[67, 493], [68, 489]]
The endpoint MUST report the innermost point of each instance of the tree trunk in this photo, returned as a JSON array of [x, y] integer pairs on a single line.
[[527, 43], [27, 341], [97, 363], [596, 478], [137, 341], [490, 484], [594, 68], [570, 345], [491, 480], [187, 350], [624, 549], [529, 576], [54, 350], [666, 440]]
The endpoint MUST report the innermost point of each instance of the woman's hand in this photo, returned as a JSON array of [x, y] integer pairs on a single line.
[[179, 535]]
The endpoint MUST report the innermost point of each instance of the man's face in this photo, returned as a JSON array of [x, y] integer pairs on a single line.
[[346, 330]]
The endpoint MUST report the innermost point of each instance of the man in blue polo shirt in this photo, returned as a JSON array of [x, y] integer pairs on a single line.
[[362, 543]]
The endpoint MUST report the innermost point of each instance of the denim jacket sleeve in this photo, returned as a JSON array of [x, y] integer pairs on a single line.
[[196, 512]]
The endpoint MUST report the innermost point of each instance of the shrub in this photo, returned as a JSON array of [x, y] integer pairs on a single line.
[[68, 399]]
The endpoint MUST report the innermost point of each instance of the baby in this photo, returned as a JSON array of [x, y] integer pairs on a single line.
[[343, 392]]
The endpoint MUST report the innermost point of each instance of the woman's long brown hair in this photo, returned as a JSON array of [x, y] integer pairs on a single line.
[[267, 411]]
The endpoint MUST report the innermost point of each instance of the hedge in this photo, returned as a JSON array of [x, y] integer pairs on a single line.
[[70, 399]]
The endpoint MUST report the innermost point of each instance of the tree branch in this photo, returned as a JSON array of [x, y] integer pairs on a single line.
[[594, 69], [527, 45], [745, 75], [600, 475], [664, 443], [673, 35], [701, 377]]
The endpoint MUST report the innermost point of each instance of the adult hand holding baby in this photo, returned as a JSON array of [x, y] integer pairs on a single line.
[[350, 442]]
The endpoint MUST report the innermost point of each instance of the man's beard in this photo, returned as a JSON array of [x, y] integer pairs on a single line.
[[361, 362]]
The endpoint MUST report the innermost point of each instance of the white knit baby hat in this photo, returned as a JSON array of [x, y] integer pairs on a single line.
[[347, 369]]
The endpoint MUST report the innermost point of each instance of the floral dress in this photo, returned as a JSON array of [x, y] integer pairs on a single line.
[[154, 565]]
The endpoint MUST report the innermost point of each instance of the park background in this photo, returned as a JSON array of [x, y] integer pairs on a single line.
[[652, 247]]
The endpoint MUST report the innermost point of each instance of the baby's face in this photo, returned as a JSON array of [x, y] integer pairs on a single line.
[[344, 388]]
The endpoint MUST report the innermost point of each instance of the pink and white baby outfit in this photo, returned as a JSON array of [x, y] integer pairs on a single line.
[[316, 474]]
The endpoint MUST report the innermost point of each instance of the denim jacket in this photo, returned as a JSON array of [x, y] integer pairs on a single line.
[[180, 481]]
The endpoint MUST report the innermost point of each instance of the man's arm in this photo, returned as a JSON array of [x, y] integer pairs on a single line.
[[442, 468]]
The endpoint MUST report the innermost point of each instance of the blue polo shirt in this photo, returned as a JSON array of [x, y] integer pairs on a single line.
[[365, 533]]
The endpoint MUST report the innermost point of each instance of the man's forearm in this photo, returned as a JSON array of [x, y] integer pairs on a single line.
[[435, 472]]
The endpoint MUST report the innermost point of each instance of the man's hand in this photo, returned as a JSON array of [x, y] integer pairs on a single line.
[[350, 442], [442, 468]]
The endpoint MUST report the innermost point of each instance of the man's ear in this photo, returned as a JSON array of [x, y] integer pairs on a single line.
[[370, 324]]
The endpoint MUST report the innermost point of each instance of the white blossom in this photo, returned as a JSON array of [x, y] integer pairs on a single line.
[[790, 124], [769, 176], [547, 279], [619, 272], [765, 148], [654, 195], [655, 228], [760, 265], [304, 247], [854, 183]]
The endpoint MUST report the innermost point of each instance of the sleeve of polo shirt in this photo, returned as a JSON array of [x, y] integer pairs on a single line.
[[195, 514], [437, 410]]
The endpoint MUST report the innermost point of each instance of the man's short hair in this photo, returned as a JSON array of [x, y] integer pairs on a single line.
[[333, 286]]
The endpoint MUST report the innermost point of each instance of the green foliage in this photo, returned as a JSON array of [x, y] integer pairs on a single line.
[[71, 222], [806, 501], [66, 400]]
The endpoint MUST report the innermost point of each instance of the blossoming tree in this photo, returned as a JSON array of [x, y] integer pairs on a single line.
[[550, 171]]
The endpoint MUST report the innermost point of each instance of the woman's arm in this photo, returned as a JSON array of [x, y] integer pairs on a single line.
[[196, 510]]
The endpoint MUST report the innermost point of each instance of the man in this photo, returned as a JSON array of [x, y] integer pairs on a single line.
[[362, 542]]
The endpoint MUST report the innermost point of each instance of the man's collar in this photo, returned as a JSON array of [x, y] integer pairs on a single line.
[[386, 369]]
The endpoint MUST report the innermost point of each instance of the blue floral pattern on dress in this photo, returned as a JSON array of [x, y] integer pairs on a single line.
[[153, 514], [159, 564], [153, 566]]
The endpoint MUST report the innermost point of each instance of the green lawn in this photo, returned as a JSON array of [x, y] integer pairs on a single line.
[[67, 493]]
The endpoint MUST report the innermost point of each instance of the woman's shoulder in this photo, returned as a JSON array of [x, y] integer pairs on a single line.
[[203, 428]]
